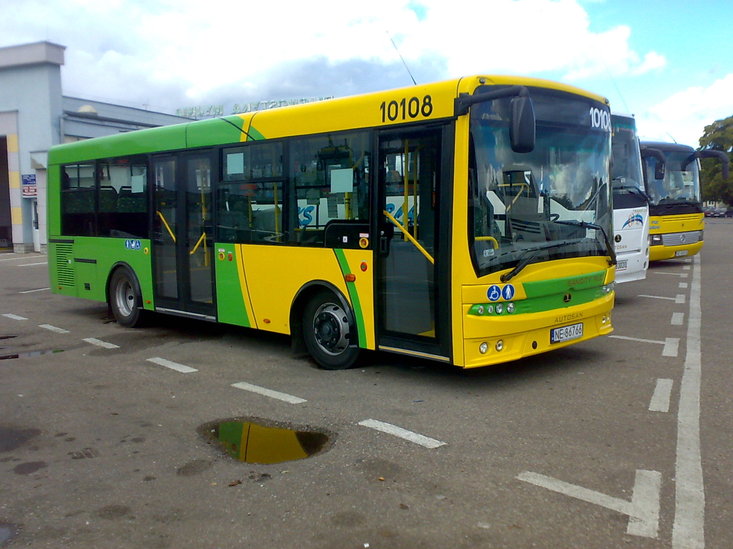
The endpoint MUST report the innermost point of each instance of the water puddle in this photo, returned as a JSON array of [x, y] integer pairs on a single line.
[[7, 533], [30, 354], [254, 442]]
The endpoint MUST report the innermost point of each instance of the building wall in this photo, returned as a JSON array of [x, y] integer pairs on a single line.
[[34, 116], [30, 115]]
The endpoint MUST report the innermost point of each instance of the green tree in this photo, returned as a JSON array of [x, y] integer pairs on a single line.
[[717, 136]]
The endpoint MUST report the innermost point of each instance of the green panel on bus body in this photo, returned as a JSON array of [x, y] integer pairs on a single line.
[[216, 131], [547, 295], [87, 264], [229, 292], [165, 138]]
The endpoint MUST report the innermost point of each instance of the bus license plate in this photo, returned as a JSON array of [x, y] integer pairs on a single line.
[[681, 253], [566, 333], [622, 264]]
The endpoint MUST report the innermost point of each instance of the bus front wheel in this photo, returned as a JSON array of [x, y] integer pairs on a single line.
[[327, 332], [124, 298]]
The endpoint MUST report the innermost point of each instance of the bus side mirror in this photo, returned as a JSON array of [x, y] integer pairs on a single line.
[[712, 153], [523, 127], [659, 168]]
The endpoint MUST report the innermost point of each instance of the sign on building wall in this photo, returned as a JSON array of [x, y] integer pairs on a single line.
[[28, 183]]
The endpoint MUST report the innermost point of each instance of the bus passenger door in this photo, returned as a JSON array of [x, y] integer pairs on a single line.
[[182, 235], [409, 245]]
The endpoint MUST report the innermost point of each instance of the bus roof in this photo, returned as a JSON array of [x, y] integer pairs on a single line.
[[663, 146], [353, 112]]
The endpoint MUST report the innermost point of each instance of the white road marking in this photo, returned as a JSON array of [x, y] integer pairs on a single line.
[[678, 319], [680, 299], [688, 530], [269, 393], [52, 328], [100, 343], [642, 510], [683, 275], [36, 290], [686, 268], [411, 436], [32, 264], [683, 285], [661, 396], [671, 346], [637, 339], [11, 316], [172, 365], [12, 258], [658, 297]]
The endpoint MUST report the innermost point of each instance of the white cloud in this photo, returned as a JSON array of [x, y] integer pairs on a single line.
[[684, 115], [163, 52]]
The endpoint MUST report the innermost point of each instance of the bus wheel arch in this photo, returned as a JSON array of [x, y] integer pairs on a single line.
[[322, 323], [124, 297]]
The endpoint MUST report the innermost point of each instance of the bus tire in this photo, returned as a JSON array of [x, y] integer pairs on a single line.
[[124, 298], [328, 332]]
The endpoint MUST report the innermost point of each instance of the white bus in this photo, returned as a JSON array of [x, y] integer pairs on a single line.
[[630, 202]]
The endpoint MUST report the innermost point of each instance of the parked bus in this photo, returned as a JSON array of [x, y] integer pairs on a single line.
[[672, 181], [467, 221], [630, 202]]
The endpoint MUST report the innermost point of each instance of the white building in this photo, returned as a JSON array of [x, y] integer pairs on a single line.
[[35, 115]]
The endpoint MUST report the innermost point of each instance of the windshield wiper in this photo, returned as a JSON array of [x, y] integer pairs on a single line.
[[594, 226], [528, 256]]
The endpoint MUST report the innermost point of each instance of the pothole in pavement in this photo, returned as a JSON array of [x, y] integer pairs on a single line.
[[259, 441]]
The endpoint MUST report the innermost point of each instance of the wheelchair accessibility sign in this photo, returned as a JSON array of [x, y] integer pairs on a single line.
[[496, 292]]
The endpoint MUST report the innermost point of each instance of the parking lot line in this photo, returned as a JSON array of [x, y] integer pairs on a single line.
[[52, 328], [268, 392], [100, 343], [14, 317], [688, 529], [172, 365], [390, 429], [661, 396]]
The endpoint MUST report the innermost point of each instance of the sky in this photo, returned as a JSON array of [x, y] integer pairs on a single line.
[[670, 63]]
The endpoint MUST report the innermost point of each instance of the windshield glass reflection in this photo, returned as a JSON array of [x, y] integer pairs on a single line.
[[551, 203], [681, 182]]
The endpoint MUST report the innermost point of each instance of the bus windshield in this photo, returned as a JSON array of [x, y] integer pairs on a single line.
[[626, 167], [681, 183], [551, 203]]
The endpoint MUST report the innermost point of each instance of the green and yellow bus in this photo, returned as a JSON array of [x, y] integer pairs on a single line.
[[672, 181], [464, 221]]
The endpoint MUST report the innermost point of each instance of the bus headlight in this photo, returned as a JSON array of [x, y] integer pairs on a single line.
[[510, 308], [499, 345], [483, 348], [608, 288], [655, 239]]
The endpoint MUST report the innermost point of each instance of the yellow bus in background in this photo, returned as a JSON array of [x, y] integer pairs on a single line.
[[465, 221], [672, 181]]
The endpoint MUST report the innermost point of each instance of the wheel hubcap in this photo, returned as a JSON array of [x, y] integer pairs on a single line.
[[125, 298], [331, 328]]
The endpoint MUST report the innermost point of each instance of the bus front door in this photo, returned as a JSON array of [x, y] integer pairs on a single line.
[[409, 244], [182, 235]]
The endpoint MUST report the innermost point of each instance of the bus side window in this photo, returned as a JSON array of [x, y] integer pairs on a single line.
[[329, 180], [250, 197], [78, 200]]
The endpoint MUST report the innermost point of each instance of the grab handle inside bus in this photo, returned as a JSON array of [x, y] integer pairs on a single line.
[[409, 237]]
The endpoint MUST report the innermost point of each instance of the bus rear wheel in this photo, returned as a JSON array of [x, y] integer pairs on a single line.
[[124, 298], [327, 332]]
